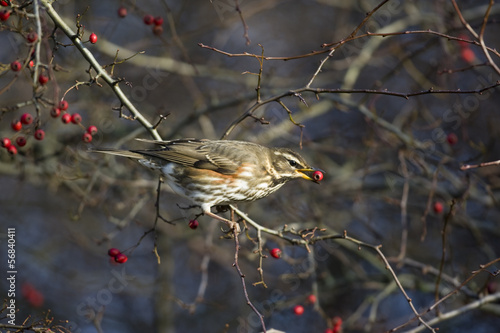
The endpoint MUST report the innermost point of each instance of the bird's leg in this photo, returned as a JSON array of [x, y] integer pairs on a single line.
[[231, 224]]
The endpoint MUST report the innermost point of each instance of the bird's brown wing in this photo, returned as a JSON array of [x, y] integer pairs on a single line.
[[194, 153]]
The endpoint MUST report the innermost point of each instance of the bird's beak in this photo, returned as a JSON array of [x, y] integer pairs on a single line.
[[307, 174]]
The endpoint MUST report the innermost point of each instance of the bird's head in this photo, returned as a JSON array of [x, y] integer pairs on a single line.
[[290, 165]]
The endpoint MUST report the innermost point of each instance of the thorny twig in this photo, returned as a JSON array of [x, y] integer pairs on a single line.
[[242, 276]]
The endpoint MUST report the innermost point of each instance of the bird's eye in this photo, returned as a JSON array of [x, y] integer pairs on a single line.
[[293, 163]]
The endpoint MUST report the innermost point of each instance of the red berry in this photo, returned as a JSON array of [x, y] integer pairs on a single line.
[[12, 150], [4, 15], [26, 118], [337, 324], [32, 37], [122, 11], [87, 137], [158, 20], [21, 141], [6, 143], [39, 134], [16, 125], [32, 64], [113, 252], [468, 55], [157, 30], [452, 139], [4, 3], [92, 130], [275, 253], [93, 38], [76, 118], [16, 66], [193, 224], [438, 207], [63, 105], [298, 310], [311, 299], [43, 79], [66, 118], [55, 112], [148, 19], [317, 176], [121, 258]]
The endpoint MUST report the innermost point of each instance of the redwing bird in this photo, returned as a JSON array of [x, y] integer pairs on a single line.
[[221, 172]]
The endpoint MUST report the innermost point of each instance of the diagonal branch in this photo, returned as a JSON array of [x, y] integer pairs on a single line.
[[58, 21]]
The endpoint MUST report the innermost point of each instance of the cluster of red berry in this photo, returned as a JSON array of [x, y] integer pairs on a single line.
[[31, 37], [299, 310], [311, 299], [157, 23], [74, 118], [336, 325], [148, 19], [22, 124], [39, 134], [117, 255], [17, 125]]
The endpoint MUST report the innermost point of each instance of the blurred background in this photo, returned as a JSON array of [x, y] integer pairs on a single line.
[[392, 165]]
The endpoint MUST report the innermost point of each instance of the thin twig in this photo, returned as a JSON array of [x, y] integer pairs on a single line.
[[36, 13], [205, 261], [482, 268], [318, 70], [403, 205], [462, 19], [430, 198], [306, 241], [259, 80], [462, 310], [261, 256], [394, 276], [443, 251], [245, 26], [480, 165], [295, 241], [333, 46], [317, 91], [481, 38], [242, 276]]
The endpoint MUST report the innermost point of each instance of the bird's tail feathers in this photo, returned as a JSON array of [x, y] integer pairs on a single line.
[[157, 142], [176, 141], [117, 152]]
